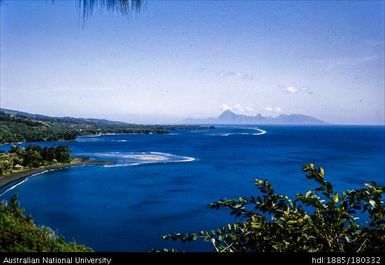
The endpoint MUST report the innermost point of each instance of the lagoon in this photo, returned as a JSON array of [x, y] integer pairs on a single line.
[[162, 183]]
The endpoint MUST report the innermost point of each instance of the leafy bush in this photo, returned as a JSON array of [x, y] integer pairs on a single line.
[[33, 156], [320, 220], [18, 233]]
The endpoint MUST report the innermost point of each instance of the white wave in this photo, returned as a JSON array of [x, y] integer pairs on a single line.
[[260, 132], [141, 158], [97, 139], [25, 179], [89, 139], [13, 186]]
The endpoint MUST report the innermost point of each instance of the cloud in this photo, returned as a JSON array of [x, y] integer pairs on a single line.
[[275, 110], [356, 60], [237, 107], [332, 63], [235, 75], [225, 74], [225, 107], [296, 90], [291, 89], [249, 110]]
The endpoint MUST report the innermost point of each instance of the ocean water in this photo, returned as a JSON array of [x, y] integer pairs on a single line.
[[162, 183]]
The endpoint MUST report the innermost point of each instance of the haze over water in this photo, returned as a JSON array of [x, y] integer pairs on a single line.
[[193, 59]]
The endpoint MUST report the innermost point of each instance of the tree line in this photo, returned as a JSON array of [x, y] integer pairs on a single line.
[[32, 156], [21, 129], [37, 128]]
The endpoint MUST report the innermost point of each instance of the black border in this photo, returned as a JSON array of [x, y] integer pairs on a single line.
[[207, 258]]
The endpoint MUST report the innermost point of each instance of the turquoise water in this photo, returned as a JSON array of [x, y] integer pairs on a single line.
[[163, 183]]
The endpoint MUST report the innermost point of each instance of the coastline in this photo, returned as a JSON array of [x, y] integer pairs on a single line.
[[77, 161]]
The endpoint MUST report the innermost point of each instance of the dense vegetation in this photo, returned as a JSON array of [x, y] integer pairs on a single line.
[[24, 127], [321, 220], [32, 156], [18, 233]]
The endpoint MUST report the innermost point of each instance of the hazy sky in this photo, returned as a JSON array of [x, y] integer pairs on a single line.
[[194, 59]]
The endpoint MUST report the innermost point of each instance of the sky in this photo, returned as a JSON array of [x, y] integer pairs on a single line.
[[194, 59]]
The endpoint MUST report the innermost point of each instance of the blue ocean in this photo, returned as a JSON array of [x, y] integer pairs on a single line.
[[163, 183]]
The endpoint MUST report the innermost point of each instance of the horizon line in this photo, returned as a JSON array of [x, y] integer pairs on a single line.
[[197, 119]]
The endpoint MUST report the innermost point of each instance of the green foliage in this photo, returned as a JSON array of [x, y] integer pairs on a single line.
[[32, 156], [18, 233], [321, 220], [23, 127]]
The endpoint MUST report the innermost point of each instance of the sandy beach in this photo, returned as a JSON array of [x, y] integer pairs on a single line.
[[78, 161]]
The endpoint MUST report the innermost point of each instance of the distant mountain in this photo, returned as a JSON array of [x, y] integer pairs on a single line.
[[229, 117]]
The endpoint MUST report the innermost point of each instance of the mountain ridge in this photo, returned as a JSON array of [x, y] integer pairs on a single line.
[[42, 117], [229, 117], [18, 126]]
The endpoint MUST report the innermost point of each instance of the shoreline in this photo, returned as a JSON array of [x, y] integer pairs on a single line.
[[77, 161], [86, 135]]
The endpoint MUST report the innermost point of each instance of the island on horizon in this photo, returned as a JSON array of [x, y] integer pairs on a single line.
[[230, 117]]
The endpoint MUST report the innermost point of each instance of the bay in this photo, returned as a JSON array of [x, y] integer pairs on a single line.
[[162, 183]]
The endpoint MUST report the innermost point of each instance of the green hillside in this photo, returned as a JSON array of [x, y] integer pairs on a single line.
[[24, 127], [18, 233]]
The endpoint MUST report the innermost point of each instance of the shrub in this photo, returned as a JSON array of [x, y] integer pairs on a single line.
[[321, 220], [18, 233]]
